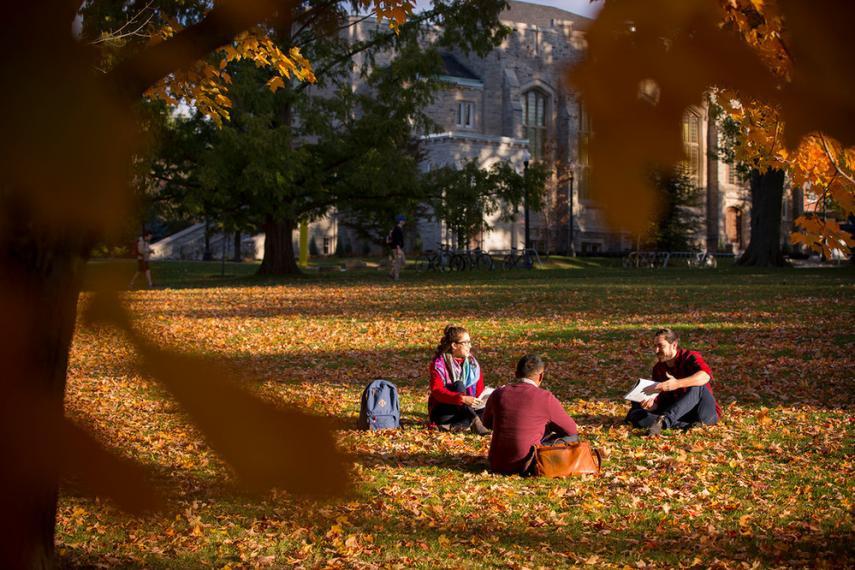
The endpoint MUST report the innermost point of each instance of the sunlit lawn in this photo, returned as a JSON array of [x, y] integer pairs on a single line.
[[771, 485]]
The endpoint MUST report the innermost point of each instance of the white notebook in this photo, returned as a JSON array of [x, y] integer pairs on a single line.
[[636, 394]]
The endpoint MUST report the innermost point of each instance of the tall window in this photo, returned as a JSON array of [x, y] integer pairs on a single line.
[[466, 114], [692, 143], [583, 162], [732, 175], [733, 225], [534, 122]]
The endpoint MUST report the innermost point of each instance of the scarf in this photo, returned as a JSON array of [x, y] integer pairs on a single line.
[[450, 371]]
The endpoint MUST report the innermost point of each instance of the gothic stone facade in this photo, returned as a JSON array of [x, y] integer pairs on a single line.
[[512, 104]]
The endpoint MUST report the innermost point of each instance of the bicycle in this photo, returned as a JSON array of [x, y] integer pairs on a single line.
[[439, 260], [459, 260], [647, 259], [483, 260], [703, 259], [472, 259], [528, 258]]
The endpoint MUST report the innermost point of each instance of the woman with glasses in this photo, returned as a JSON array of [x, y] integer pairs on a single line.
[[456, 381]]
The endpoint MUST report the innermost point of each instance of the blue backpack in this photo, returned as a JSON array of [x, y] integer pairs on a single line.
[[379, 408]]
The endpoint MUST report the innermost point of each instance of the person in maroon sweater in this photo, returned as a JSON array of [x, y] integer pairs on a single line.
[[683, 396], [522, 415], [456, 381]]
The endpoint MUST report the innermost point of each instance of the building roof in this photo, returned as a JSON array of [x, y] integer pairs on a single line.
[[541, 16], [453, 68]]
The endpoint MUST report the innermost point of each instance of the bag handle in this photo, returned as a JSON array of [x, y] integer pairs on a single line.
[[565, 444], [599, 458]]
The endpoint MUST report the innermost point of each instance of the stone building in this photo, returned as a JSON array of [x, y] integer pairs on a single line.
[[512, 106]]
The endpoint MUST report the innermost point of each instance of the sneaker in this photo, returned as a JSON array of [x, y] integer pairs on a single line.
[[479, 427], [657, 427]]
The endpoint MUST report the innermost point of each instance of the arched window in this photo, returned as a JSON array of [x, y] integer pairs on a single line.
[[692, 143], [733, 225], [534, 122]]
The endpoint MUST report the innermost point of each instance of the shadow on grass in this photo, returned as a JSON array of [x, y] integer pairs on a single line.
[[794, 545], [786, 548], [214, 274], [598, 420], [354, 369], [347, 372]]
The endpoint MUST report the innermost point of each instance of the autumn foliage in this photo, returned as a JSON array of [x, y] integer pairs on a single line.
[[71, 138], [770, 485], [776, 67]]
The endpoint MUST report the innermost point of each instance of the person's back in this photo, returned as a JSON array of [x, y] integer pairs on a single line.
[[522, 415]]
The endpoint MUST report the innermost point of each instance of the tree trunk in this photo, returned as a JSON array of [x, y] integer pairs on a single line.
[[206, 254], [279, 248], [237, 257], [39, 285], [767, 193]]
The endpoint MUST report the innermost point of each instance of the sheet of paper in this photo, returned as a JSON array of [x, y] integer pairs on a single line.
[[481, 400], [636, 394]]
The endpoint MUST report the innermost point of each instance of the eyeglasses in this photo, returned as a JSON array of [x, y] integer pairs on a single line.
[[469, 342]]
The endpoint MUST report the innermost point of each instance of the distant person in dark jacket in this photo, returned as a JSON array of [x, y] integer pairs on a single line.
[[683, 396], [523, 415], [396, 243], [143, 251]]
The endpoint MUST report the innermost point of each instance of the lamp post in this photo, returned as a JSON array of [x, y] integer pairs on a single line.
[[526, 158], [571, 243]]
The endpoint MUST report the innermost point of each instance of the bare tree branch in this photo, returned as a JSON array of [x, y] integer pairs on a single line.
[[376, 40], [121, 34], [833, 161]]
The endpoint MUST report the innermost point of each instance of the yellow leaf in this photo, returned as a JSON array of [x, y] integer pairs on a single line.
[[275, 83]]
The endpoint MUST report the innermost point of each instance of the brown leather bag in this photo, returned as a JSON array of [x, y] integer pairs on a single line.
[[566, 459]]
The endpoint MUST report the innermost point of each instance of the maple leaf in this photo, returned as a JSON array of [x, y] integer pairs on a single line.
[[275, 83]]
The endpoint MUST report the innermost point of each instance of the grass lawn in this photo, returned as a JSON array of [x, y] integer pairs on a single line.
[[770, 486]]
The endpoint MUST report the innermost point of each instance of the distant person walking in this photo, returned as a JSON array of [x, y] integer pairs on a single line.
[[396, 242], [143, 256]]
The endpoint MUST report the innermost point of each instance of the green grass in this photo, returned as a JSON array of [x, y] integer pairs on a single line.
[[770, 486]]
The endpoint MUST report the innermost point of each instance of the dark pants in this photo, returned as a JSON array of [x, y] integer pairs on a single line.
[[458, 417], [454, 416], [696, 405]]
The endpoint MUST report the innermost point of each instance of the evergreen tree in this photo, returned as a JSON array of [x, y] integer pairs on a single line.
[[678, 225]]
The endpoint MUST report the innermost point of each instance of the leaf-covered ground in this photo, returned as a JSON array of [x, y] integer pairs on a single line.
[[770, 486]]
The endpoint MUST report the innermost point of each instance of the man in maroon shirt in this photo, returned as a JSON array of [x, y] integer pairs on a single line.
[[683, 396], [522, 415]]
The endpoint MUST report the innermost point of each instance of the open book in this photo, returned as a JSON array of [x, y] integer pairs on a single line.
[[481, 400], [637, 394]]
